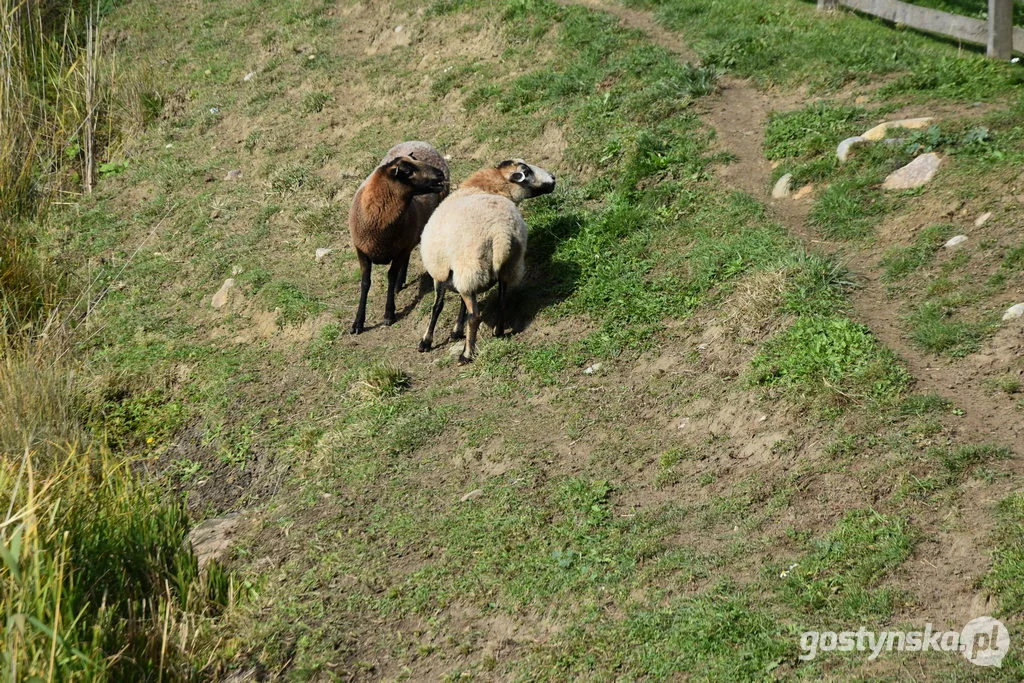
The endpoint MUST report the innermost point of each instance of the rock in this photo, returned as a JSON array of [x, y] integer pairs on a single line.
[[592, 369], [212, 539], [1014, 312], [847, 145], [881, 130], [398, 29], [322, 253], [783, 186], [472, 495], [684, 423], [955, 241], [221, 297], [982, 219], [234, 174], [236, 270], [215, 214], [805, 191], [249, 76], [915, 174]]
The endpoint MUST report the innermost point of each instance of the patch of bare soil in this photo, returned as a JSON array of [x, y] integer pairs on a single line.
[[944, 571]]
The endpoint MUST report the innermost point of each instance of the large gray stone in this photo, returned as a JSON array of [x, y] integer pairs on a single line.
[[212, 539], [880, 131], [783, 186], [221, 297], [1014, 312], [915, 174], [846, 147]]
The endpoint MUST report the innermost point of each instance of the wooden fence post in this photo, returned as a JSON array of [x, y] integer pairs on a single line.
[[826, 5], [1000, 28]]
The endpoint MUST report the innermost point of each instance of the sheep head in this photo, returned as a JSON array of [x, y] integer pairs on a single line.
[[526, 179], [419, 176]]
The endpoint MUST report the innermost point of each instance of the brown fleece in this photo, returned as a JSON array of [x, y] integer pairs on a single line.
[[386, 219], [490, 180]]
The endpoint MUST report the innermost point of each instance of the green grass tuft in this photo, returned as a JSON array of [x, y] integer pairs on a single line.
[[831, 356], [384, 380], [841, 573]]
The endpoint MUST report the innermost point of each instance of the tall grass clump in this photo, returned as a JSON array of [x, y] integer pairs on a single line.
[[65, 106], [97, 578], [97, 581]]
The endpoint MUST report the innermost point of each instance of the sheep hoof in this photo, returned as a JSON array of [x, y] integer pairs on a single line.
[[425, 345], [463, 360], [389, 321], [500, 332], [357, 328], [456, 336]]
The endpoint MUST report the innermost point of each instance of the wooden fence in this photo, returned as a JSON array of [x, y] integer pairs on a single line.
[[999, 34]]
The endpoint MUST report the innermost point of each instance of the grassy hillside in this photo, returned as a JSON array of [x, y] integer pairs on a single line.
[[698, 443]]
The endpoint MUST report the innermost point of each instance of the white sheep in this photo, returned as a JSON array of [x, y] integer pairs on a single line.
[[477, 237]]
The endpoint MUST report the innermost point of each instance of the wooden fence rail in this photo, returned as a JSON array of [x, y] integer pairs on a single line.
[[998, 34]]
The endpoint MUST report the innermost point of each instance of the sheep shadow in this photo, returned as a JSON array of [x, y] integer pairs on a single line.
[[548, 281]]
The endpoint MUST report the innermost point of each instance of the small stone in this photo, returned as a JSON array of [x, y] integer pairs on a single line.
[[955, 241], [592, 369], [398, 29], [783, 186], [684, 423], [982, 219], [321, 253], [804, 191], [214, 110], [221, 297], [211, 540], [846, 146], [249, 76], [236, 270], [234, 174], [472, 495], [1014, 312], [915, 174], [881, 130], [215, 214], [311, 57]]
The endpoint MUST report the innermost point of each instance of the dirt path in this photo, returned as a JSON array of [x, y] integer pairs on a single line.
[[948, 566], [739, 115]]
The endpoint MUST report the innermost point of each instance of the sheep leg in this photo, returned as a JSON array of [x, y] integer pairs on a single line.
[[397, 268], [469, 351], [428, 338], [499, 329], [460, 323], [401, 277], [364, 288]]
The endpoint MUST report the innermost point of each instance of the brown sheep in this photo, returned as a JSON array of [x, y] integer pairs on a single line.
[[388, 213]]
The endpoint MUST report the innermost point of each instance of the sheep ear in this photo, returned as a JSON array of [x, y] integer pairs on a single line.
[[401, 169], [517, 177]]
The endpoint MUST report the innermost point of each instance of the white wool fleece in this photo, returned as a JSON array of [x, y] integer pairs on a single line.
[[472, 237]]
